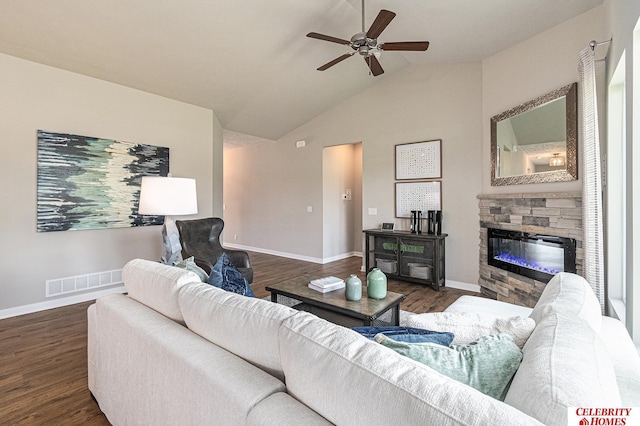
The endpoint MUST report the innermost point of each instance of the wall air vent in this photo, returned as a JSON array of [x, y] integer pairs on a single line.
[[62, 286]]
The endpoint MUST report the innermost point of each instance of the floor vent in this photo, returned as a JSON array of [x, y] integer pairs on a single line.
[[78, 283]]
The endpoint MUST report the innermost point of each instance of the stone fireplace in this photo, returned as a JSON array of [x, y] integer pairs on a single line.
[[537, 234]]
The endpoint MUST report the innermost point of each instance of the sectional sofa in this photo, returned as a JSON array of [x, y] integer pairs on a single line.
[[176, 351]]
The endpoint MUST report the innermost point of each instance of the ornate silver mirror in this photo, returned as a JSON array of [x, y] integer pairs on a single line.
[[536, 142]]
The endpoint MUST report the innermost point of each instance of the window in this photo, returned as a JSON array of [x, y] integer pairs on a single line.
[[615, 180], [632, 290]]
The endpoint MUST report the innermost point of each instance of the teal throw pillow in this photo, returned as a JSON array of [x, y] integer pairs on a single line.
[[226, 276], [487, 364], [190, 265]]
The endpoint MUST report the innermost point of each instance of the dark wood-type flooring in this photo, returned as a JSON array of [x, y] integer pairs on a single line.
[[43, 360]]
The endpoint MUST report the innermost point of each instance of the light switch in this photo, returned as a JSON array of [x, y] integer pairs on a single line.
[[373, 211], [309, 209]]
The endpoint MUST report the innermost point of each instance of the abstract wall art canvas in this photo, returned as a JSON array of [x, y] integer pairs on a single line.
[[91, 183]]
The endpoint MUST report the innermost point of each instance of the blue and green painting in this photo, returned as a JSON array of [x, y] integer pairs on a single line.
[[91, 183]]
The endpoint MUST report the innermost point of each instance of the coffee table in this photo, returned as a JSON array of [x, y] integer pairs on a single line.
[[333, 306]]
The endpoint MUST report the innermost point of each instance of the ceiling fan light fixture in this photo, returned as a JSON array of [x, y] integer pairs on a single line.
[[556, 161]]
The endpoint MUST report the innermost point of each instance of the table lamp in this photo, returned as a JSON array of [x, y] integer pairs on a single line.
[[168, 196]]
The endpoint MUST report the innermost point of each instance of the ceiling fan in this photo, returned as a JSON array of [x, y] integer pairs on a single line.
[[366, 43]]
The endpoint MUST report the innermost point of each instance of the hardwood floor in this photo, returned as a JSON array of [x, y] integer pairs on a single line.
[[43, 359]]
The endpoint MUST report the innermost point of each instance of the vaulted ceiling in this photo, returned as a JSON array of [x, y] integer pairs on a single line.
[[249, 60]]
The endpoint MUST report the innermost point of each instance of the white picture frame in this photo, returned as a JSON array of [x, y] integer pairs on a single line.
[[419, 160], [423, 196]]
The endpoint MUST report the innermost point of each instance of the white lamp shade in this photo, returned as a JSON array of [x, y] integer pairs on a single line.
[[167, 196]]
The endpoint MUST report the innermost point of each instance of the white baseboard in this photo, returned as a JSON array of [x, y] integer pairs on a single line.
[[57, 303], [462, 286], [319, 260], [342, 256]]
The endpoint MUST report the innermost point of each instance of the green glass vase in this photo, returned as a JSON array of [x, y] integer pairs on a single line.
[[353, 288], [376, 284]]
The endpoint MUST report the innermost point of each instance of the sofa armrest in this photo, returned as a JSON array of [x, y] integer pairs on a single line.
[[625, 358], [92, 352], [239, 258], [204, 264]]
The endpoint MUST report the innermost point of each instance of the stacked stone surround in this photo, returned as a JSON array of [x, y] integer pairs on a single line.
[[558, 214]]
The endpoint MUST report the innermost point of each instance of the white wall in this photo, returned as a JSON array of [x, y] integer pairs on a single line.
[[452, 102], [418, 103], [36, 97], [531, 69]]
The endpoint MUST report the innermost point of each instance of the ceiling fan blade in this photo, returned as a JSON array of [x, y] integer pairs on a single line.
[[328, 38], [335, 61], [382, 20], [406, 45], [374, 65]]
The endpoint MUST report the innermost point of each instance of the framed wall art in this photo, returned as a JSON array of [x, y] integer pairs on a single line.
[[419, 160], [423, 196], [92, 183]]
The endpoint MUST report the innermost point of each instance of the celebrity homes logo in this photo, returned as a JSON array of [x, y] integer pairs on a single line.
[[603, 416]]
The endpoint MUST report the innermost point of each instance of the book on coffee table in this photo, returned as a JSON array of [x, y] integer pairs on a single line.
[[326, 284]]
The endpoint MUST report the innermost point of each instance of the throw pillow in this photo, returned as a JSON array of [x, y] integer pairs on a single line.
[[407, 334], [215, 277], [190, 265], [226, 276], [487, 365], [468, 327]]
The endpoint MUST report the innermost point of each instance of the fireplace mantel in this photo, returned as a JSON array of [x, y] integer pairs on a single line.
[[551, 213]]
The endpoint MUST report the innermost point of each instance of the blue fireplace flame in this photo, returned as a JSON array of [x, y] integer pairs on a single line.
[[508, 258]]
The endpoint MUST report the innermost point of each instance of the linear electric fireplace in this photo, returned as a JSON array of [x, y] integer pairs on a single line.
[[531, 255]]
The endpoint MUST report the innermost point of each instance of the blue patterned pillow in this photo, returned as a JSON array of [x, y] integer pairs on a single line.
[[227, 277], [407, 334]]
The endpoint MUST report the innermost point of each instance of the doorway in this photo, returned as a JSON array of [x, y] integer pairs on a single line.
[[342, 201]]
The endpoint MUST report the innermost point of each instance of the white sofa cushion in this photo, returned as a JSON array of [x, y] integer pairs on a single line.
[[565, 364], [569, 294], [245, 326], [153, 371], [156, 285], [483, 305], [468, 327], [317, 356], [280, 409]]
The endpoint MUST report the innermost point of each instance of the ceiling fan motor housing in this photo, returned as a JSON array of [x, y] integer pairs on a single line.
[[363, 44]]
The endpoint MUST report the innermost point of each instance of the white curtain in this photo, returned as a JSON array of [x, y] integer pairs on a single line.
[[591, 175]]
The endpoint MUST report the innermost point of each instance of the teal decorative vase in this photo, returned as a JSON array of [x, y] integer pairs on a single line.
[[353, 288], [376, 284]]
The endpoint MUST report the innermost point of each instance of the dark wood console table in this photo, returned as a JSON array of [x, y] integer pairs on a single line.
[[418, 258]]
